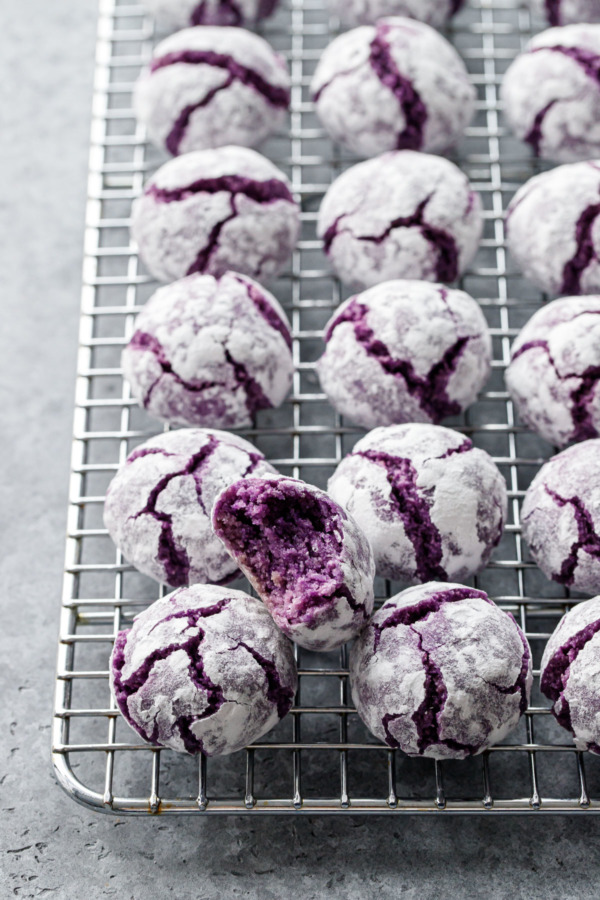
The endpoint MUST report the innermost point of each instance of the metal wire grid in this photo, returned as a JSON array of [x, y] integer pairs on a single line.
[[320, 759]]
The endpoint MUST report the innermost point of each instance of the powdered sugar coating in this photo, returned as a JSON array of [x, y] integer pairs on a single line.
[[214, 210], [561, 517], [553, 229], [206, 87], [566, 12], [176, 14], [396, 85], [203, 670], [405, 351], [210, 352], [432, 506], [401, 215], [570, 674], [306, 558], [554, 373], [367, 12], [158, 505], [441, 672], [551, 93]]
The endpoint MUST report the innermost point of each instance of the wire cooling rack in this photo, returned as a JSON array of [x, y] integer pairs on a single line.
[[320, 759]]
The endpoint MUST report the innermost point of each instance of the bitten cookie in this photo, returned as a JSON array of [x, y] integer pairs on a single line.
[[367, 12], [432, 506], [207, 87], [441, 672], [405, 351], [566, 12], [397, 85], [554, 372], [210, 352], [203, 670], [570, 674], [214, 210], [551, 93], [561, 517], [176, 14], [158, 505], [400, 215], [306, 558], [553, 229]]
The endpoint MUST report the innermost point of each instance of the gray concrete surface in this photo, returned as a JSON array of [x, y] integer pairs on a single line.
[[49, 846]]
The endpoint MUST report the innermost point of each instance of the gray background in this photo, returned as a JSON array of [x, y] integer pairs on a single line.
[[49, 846]]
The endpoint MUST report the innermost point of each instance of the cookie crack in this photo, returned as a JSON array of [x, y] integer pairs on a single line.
[[229, 14], [413, 109], [431, 389], [587, 540], [277, 693], [556, 674], [520, 685], [574, 268]]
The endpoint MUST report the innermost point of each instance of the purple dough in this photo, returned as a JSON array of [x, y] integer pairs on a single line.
[[553, 229], [367, 12], [210, 352], [405, 351], [441, 672], [561, 517], [570, 674], [158, 505], [554, 372], [306, 558], [214, 210], [394, 86], [203, 670], [207, 87], [566, 12], [432, 506], [551, 93], [401, 215], [176, 14]]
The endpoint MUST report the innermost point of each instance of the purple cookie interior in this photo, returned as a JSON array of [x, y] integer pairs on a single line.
[[288, 538], [556, 674]]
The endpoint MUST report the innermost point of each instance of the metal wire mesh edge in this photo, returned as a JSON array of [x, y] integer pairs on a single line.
[[62, 748]]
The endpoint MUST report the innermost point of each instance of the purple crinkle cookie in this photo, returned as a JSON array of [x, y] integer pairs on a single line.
[[566, 12], [432, 506], [307, 559], [570, 674], [210, 352], [158, 505], [551, 93], [441, 672], [206, 87], [203, 670], [401, 215], [214, 210], [176, 14], [554, 372], [553, 229], [368, 12], [561, 517], [398, 85], [405, 351]]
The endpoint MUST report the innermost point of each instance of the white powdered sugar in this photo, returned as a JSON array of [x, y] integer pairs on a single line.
[[175, 14], [396, 85], [158, 505], [367, 12], [215, 210], [210, 352], [203, 670], [400, 215], [566, 12], [441, 672], [551, 93], [561, 517], [554, 373], [432, 506], [405, 351], [553, 229], [209, 86]]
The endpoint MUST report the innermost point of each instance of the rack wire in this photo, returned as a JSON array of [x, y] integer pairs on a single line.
[[320, 759]]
